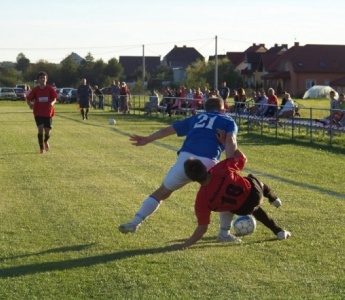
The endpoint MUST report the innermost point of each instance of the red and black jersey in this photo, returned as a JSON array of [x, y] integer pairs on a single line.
[[227, 190], [42, 101]]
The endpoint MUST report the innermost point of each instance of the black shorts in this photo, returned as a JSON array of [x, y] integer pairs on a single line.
[[254, 199], [47, 122]]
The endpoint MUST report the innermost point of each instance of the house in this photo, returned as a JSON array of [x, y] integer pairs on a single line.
[[301, 67], [77, 58], [179, 58], [131, 64]]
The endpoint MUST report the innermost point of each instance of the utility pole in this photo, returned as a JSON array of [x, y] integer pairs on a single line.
[[143, 85], [216, 65]]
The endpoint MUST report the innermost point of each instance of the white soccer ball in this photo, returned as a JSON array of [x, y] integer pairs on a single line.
[[112, 122], [244, 225]]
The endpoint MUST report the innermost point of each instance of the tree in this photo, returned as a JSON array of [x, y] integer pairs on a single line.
[[113, 69], [23, 63], [68, 72], [10, 77]]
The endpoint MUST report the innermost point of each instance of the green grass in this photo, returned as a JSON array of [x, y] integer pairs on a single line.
[[60, 211]]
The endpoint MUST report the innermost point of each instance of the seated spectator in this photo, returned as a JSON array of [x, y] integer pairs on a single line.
[[152, 105], [240, 101], [287, 111], [272, 103], [336, 113], [197, 100]]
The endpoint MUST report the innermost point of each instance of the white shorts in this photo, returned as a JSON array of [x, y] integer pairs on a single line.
[[176, 177]]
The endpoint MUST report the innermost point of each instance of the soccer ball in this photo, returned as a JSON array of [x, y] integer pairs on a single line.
[[244, 225], [112, 122]]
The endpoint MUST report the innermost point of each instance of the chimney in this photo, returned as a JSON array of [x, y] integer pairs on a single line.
[[296, 44], [275, 45]]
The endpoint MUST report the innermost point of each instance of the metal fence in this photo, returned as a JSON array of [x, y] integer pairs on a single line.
[[304, 126]]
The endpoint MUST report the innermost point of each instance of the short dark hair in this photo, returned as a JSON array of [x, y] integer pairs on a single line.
[[214, 103], [195, 170], [41, 73]]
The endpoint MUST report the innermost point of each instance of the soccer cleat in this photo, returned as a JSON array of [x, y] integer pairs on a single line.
[[128, 228], [277, 203], [283, 235], [46, 146], [228, 238], [41, 151]]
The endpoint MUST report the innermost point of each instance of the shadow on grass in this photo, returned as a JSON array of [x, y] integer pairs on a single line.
[[54, 250], [30, 269]]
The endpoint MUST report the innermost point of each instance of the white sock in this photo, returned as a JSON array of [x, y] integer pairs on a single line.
[[148, 207], [225, 218]]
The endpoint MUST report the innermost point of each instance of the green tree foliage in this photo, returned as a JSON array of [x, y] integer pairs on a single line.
[[68, 73], [23, 63], [113, 69], [203, 74], [10, 77]]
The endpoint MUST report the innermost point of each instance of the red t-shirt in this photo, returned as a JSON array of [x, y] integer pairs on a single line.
[[272, 99], [42, 101], [227, 190]]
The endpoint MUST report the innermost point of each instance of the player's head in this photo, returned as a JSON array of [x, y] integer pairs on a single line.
[[41, 73], [214, 104], [195, 170]]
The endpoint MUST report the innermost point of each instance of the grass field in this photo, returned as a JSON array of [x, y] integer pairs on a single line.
[[60, 212]]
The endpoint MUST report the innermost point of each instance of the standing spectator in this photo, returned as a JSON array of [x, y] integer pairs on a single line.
[[224, 92], [124, 96], [202, 141], [100, 97], [85, 96], [41, 100], [115, 88], [272, 103]]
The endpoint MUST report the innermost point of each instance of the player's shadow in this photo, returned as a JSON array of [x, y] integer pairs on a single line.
[[30, 269]]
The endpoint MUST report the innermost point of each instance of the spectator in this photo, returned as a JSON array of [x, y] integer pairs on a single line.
[[224, 93], [272, 103], [115, 89], [197, 100], [41, 100], [335, 112], [240, 101], [223, 189], [124, 97], [84, 97], [287, 110], [152, 105], [100, 97]]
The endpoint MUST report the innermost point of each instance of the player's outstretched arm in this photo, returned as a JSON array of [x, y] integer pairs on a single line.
[[196, 236], [138, 140]]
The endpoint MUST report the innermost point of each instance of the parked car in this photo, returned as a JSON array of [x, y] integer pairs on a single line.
[[20, 93], [62, 95], [71, 96], [7, 93], [106, 91], [26, 88]]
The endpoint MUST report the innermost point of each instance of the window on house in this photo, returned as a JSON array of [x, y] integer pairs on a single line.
[[322, 64], [300, 64], [310, 83]]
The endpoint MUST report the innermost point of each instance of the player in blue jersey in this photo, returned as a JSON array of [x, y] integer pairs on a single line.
[[202, 142]]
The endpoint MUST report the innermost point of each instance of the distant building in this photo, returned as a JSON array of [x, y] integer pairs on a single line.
[[179, 58]]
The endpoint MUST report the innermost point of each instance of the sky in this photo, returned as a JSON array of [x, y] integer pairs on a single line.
[[52, 30]]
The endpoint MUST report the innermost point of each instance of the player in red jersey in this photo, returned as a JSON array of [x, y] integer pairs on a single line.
[[41, 100], [223, 189]]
